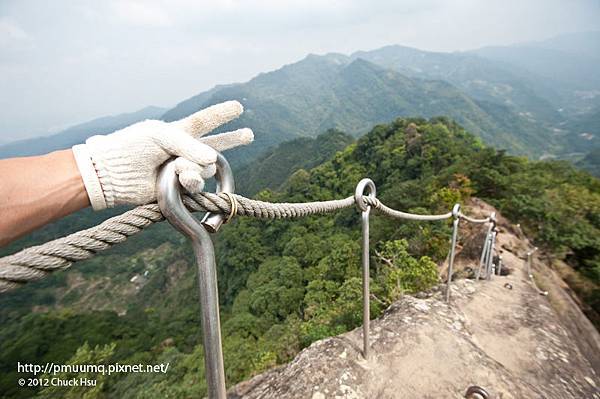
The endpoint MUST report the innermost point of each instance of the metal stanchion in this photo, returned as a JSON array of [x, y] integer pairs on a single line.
[[490, 259], [171, 205], [365, 210], [529, 254], [499, 266], [455, 215], [484, 253], [530, 274], [486, 246]]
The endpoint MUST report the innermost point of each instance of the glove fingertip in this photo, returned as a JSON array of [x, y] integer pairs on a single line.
[[208, 171], [203, 154], [186, 146], [246, 135], [207, 119], [191, 181], [236, 106]]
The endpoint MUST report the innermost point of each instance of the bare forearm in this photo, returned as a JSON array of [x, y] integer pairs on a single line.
[[37, 190]]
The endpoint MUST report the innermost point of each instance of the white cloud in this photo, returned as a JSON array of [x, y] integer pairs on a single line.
[[70, 61], [11, 32], [139, 13]]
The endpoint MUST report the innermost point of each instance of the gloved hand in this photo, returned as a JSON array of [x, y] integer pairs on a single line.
[[121, 168]]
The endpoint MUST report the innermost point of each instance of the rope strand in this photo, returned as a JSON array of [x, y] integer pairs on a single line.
[[37, 262]]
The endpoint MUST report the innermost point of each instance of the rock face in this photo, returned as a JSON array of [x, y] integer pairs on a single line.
[[504, 338], [423, 348]]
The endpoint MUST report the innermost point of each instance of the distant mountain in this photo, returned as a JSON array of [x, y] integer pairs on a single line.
[[482, 79], [351, 94], [573, 71], [587, 126], [569, 62], [582, 43], [77, 134], [591, 162]]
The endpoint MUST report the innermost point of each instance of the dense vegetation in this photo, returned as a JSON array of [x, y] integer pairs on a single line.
[[285, 284]]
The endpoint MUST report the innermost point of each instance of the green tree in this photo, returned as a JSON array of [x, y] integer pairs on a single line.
[[85, 356]]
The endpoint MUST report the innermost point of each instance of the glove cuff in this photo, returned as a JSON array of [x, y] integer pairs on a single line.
[[124, 170], [89, 176]]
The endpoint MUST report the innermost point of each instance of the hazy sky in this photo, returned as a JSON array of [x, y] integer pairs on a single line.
[[63, 62]]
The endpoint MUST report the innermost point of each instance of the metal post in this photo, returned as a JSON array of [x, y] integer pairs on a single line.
[[529, 254], [530, 274], [490, 259], [456, 216], [486, 243], [171, 205], [486, 254], [499, 265], [365, 210], [488, 251]]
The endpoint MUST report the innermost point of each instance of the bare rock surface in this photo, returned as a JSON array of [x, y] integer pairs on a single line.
[[500, 334]]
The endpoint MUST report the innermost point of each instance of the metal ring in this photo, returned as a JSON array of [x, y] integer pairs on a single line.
[[456, 211], [359, 192], [225, 184], [171, 204], [234, 207], [476, 392]]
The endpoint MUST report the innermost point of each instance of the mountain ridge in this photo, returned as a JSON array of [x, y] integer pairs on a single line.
[[501, 101], [350, 94]]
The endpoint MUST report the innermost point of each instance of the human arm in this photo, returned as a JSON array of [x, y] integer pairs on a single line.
[[115, 169], [37, 190]]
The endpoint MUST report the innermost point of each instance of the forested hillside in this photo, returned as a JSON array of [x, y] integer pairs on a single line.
[[272, 168], [284, 284], [352, 94], [481, 78], [591, 162]]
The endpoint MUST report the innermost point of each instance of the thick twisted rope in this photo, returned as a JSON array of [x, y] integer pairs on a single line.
[[473, 220], [36, 262]]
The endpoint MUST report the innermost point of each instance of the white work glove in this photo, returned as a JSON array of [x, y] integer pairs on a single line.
[[121, 168]]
